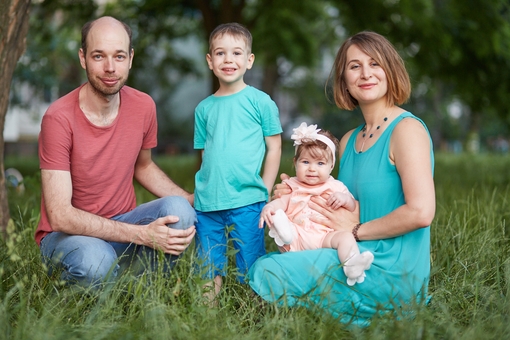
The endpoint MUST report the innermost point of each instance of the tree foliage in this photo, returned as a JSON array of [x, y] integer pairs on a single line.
[[460, 49], [50, 63], [455, 50]]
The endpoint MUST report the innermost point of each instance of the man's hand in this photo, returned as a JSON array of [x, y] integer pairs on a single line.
[[171, 241]]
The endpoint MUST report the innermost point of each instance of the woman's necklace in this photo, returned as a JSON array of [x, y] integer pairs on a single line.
[[364, 130]]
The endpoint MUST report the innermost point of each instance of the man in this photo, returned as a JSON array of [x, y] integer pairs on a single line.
[[93, 142]]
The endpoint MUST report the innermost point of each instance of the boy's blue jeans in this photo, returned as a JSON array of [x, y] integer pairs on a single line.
[[88, 261]]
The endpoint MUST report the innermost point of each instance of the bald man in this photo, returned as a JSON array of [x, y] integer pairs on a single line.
[[93, 142]]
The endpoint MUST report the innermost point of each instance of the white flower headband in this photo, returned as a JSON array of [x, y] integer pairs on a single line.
[[305, 133]]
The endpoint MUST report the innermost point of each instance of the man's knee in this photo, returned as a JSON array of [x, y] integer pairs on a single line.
[[180, 207]]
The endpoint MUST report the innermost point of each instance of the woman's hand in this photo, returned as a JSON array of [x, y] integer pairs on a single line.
[[340, 219], [281, 189], [284, 249]]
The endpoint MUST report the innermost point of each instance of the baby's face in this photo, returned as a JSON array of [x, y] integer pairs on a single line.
[[313, 170]]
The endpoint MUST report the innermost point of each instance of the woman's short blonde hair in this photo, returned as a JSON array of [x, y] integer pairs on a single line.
[[383, 52]]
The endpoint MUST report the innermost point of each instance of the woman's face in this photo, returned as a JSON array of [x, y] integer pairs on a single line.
[[364, 77]]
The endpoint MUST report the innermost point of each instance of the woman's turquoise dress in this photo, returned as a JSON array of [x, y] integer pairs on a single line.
[[401, 267]]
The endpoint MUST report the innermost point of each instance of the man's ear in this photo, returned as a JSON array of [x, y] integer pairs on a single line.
[[131, 55], [82, 56]]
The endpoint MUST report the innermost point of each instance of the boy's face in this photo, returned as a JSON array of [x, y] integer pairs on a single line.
[[229, 59]]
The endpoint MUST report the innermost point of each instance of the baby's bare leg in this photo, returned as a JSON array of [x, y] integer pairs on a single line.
[[354, 263], [343, 242]]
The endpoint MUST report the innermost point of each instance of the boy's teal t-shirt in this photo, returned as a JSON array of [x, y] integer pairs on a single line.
[[231, 130]]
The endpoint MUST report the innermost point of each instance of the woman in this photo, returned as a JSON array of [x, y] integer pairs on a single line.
[[387, 164]]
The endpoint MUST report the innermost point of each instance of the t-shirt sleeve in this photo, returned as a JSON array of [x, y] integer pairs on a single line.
[[200, 132], [150, 139], [55, 143], [270, 116]]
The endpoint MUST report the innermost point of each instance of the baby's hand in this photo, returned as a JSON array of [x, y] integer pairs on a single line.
[[266, 216], [336, 200]]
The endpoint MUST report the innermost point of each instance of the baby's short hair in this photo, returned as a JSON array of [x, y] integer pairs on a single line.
[[317, 148]]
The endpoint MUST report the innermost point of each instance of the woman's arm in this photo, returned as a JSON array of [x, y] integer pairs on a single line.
[[343, 143], [410, 151]]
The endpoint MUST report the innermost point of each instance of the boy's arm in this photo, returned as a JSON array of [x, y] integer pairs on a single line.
[[272, 161]]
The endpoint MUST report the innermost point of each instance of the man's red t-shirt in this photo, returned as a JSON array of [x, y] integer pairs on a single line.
[[101, 160]]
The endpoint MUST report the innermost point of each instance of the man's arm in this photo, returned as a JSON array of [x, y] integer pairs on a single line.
[[57, 191], [152, 178], [272, 162]]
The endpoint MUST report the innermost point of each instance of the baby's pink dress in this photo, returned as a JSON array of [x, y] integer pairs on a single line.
[[310, 234]]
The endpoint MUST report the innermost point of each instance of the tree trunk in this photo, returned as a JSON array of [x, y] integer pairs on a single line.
[[13, 31], [270, 78]]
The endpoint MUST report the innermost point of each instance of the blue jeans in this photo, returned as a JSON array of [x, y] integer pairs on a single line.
[[88, 261]]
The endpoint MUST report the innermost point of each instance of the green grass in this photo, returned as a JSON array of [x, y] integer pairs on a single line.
[[469, 282]]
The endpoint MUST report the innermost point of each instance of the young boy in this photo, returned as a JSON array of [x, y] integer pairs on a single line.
[[233, 127]]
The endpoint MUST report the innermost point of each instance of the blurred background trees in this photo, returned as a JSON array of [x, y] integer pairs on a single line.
[[457, 52], [13, 30]]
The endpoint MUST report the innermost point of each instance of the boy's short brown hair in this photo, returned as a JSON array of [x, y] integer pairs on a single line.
[[234, 29]]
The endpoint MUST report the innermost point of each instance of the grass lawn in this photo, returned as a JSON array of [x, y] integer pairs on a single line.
[[469, 284]]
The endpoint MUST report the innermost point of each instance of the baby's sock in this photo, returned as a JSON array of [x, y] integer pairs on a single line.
[[282, 230], [355, 266]]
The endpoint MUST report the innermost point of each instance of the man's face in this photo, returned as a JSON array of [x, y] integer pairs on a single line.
[[108, 58]]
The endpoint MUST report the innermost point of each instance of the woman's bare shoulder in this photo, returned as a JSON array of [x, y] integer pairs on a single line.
[[343, 141]]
